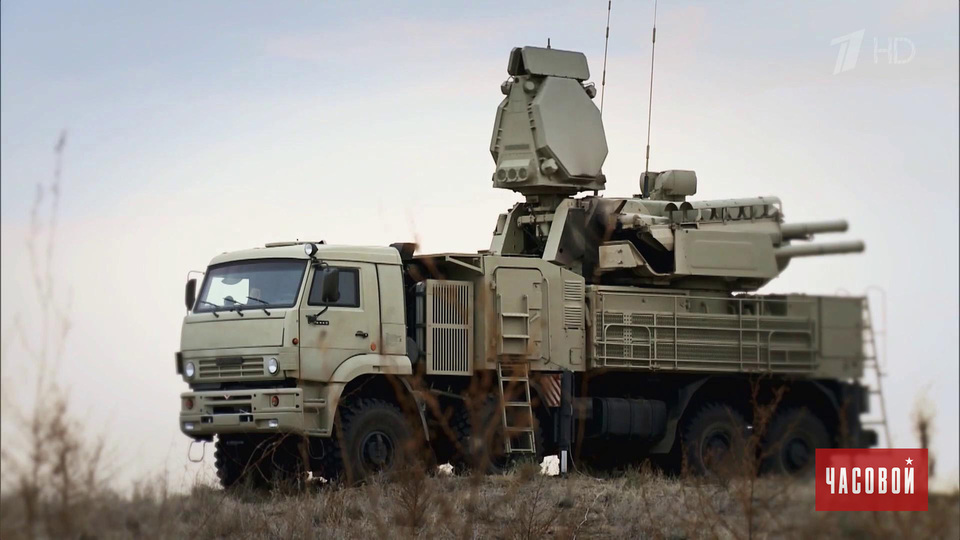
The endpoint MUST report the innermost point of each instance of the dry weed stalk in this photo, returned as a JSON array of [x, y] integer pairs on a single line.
[[51, 466], [923, 415]]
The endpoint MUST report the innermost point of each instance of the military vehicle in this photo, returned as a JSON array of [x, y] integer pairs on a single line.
[[604, 329]]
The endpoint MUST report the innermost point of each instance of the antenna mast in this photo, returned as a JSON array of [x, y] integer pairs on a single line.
[[653, 51], [606, 41]]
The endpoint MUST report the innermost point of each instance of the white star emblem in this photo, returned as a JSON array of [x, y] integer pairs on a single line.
[[909, 461]]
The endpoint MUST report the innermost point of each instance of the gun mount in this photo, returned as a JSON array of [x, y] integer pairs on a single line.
[[549, 145]]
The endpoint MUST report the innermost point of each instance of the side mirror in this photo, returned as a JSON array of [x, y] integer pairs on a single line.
[[330, 290], [190, 294]]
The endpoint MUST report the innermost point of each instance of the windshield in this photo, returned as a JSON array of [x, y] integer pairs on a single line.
[[251, 284]]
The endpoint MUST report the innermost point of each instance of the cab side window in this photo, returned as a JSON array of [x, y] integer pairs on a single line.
[[349, 288]]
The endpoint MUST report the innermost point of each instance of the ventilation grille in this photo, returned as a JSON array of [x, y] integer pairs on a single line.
[[573, 304], [449, 327]]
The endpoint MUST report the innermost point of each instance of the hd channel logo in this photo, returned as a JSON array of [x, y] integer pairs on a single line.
[[871, 479]]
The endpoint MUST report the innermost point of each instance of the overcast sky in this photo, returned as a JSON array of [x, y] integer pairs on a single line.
[[201, 127]]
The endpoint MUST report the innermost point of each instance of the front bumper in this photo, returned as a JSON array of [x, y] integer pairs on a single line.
[[242, 411]]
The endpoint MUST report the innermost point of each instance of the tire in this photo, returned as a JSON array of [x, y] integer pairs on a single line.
[[714, 441], [257, 462], [374, 438], [230, 460], [790, 444], [481, 449], [286, 464]]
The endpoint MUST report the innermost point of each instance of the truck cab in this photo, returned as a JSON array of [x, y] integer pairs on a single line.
[[274, 334]]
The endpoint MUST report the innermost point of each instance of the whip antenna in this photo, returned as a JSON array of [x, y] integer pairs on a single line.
[[653, 52], [606, 41]]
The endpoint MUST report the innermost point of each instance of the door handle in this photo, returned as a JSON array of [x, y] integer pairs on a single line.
[[361, 334]]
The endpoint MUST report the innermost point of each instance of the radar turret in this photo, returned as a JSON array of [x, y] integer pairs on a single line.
[[548, 137]]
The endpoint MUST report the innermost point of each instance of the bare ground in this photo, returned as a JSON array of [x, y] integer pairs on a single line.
[[522, 504]]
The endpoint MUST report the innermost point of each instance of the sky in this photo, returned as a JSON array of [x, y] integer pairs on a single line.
[[195, 128]]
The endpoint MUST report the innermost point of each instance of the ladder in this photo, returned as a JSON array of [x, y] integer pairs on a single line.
[[516, 413], [871, 364], [520, 329]]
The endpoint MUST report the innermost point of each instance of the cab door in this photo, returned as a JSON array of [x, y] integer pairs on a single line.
[[332, 331]]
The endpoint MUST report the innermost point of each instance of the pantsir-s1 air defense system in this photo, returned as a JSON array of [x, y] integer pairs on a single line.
[[607, 330]]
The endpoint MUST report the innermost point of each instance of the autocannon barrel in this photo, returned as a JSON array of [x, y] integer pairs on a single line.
[[791, 231], [810, 250]]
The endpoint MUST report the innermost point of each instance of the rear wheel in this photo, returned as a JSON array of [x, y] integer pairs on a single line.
[[791, 442], [715, 440], [480, 440]]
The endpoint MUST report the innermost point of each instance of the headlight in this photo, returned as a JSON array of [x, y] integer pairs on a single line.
[[310, 249], [272, 366], [189, 370]]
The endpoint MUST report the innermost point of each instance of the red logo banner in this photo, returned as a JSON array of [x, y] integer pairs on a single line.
[[871, 479]]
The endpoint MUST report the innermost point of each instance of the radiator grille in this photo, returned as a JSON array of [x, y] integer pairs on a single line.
[[449, 327], [207, 368]]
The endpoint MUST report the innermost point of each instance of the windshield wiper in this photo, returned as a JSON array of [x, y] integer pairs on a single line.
[[255, 299], [214, 311], [234, 306]]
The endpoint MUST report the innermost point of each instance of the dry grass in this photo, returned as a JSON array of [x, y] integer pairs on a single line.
[[522, 504]]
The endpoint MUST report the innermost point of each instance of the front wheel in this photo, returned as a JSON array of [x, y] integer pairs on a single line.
[[230, 459], [259, 462], [374, 438]]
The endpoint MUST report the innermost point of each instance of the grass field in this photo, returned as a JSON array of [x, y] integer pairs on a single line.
[[521, 504]]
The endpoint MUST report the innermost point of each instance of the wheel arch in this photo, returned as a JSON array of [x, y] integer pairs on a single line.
[[817, 398], [384, 377]]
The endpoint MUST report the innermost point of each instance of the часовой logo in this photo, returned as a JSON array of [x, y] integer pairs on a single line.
[[871, 479]]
